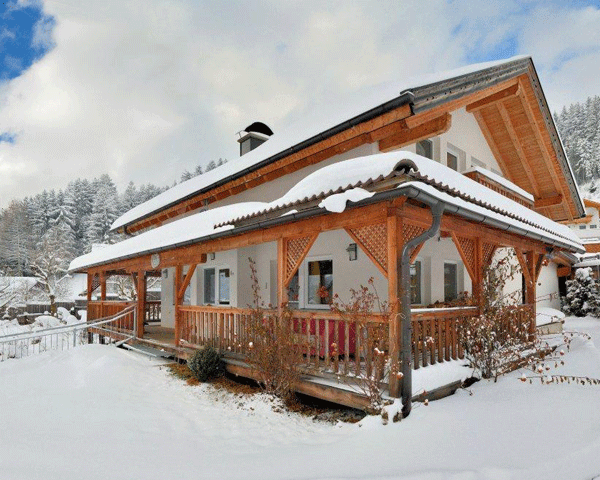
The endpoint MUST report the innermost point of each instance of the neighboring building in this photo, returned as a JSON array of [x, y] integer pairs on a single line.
[[328, 204]]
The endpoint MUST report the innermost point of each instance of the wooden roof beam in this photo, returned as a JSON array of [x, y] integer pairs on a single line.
[[553, 167], [510, 128], [434, 127], [487, 133], [548, 201], [500, 96]]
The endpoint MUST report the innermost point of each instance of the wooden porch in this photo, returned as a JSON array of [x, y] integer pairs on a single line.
[[335, 348]]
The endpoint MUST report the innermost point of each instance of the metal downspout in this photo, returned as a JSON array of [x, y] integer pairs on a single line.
[[437, 210]]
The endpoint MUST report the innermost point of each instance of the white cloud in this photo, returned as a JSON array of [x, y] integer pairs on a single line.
[[145, 89]]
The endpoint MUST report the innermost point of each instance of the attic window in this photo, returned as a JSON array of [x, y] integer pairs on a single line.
[[425, 148]]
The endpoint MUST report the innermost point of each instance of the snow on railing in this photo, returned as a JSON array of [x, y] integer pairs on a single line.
[[117, 328]]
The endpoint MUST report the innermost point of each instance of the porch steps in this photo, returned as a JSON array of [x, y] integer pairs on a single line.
[[148, 350]]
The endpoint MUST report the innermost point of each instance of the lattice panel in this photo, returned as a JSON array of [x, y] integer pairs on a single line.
[[373, 238], [95, 282], [411, 231], [488, 253], [468, 247], [295, 249]]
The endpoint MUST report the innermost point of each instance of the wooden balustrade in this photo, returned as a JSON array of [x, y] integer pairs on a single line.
[[221, 328], [116, 330], [101, 309], [436, 334], [153, 311]]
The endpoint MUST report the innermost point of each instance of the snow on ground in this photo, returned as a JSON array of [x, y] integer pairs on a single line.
[[100, 412], [16, 343], [546, 315]]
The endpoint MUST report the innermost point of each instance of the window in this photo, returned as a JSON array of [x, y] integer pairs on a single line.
[[582, 227], [209, 285], [425, 148], [593, 226], [477, 163], [452, 161], [224, 286], [415, 283], [217, 285], [294, 291], [450, 281], [319, 282]]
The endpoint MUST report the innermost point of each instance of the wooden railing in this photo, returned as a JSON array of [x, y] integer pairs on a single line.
[[338, 346], [218, 327], [121, 328], [330, 343], [153, 311], [99, 309], [436, 334]]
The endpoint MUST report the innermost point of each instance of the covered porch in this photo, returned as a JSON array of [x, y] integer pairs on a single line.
[[391, 227]]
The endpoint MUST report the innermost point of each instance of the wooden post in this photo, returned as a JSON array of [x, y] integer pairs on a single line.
[[394, 248], [177, 282], [477, 284], [90, 282], [530, 294], [282, 296], [103, 286], [141, 303]]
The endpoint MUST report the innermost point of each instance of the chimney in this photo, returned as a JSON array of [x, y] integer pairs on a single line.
[[252, 136]]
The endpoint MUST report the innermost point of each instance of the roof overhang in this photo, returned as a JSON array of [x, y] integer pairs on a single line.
[[515, 93]]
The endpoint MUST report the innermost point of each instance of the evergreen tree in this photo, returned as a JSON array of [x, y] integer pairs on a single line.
[[582, 294]]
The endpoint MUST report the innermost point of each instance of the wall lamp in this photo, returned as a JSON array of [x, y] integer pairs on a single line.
[[352, 252]]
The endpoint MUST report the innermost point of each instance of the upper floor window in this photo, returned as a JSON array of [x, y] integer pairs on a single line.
[[477, 163], [582, 227], [425, 148], [452, 161]]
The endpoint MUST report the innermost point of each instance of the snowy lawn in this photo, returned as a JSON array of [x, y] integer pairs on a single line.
[[100, 412]]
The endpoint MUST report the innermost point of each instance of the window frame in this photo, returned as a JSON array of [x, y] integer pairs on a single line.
[[303, 282], [418, 260], [431, 146], [216, 285], [455, 263]]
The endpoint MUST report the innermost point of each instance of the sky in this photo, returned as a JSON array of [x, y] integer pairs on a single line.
[[144, 89]]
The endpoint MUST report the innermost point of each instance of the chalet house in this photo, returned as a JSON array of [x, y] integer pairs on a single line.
[[587, 229], [416, 185]]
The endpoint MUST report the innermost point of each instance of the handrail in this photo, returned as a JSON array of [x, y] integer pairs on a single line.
[[67, 328]]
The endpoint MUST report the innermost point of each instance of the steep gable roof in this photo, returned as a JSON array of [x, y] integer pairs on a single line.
[[421, 99]]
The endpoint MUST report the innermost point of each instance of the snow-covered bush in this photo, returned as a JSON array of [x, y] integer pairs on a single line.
[[206, 364], [495, 341], [583, 295]]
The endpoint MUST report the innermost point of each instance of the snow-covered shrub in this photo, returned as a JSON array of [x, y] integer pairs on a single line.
[[583, 295], [494, 342], [206, 364], [274, 351]]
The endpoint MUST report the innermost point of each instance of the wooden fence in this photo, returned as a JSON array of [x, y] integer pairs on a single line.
[[97, 310]]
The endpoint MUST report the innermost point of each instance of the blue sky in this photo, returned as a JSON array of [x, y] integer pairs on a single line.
[[18, 40], [143, 89]]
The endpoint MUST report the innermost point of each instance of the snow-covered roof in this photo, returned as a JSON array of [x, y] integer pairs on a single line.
[[502, 181], [345, 181], [187, 229], [430, 176], [309, 126]]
